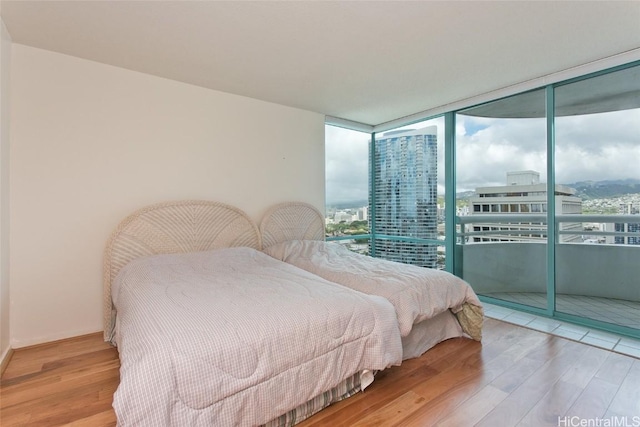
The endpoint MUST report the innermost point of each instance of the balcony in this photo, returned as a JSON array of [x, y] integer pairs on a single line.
[[506, 258]]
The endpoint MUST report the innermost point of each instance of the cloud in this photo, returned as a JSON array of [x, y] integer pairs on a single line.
[[483, 158], [588, 147], [347, 165], [593, 132]]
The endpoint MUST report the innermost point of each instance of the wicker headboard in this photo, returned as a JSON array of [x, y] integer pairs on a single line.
[[172, 227], [291, 221]]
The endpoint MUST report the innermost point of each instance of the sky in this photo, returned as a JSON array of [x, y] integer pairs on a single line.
[[588, 147]]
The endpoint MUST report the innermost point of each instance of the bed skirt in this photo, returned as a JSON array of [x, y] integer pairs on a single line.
[[345, 389]]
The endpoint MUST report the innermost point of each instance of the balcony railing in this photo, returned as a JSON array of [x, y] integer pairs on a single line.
[[506, 256], [528, 225], [505, 261]]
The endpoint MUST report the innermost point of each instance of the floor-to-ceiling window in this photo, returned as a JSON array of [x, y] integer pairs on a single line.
[[502, 187], [347, 187], [597, 153], [547, 197]]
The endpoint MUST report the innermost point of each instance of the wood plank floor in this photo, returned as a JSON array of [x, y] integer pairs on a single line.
[[516, 377], [68, 382]]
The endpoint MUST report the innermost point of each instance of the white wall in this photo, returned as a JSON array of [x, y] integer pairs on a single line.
[[5, 55], [90, 143]]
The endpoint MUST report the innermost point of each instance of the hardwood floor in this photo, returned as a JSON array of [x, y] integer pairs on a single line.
[[516, 377], [68, 382]]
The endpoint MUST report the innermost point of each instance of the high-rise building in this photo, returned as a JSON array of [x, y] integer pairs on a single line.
[[405, 195], [363, 213], [523, 195], [625, 227]]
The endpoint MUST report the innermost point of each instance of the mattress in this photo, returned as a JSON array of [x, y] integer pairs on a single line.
[[234, 337], [417, 293]]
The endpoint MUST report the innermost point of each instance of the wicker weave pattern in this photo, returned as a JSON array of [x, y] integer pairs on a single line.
[[173, 227], [291, 221]]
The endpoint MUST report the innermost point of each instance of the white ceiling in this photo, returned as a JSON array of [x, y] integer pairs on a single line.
[[369, 62]]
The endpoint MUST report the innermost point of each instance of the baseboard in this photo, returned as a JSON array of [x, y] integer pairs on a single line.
[[17, 344], [6, 358]]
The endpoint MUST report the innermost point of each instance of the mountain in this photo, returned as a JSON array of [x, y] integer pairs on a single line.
[[584, 189], [463, 195], [348, 204], [605, 189]]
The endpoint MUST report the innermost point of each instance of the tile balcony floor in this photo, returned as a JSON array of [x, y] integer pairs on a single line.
[[597, 338], [609, 310]]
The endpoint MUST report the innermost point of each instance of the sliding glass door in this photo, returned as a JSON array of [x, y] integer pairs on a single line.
[[597, 154], [502, 199]]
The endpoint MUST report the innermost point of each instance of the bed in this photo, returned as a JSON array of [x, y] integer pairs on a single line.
[[211, 331], [431, 305]]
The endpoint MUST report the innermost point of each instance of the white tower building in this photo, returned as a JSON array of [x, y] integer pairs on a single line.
[[523, 195]]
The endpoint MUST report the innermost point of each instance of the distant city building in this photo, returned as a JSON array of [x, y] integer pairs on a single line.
[[342, 216], [629, 209], [363, 213], [462, 211], [523, 195], [625, 227], [405, 194]]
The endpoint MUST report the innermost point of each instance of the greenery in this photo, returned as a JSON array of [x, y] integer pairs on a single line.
[[344, 228]]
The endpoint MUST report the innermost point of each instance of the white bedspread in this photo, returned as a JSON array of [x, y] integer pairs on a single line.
[[234, 337], [417, 293]]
